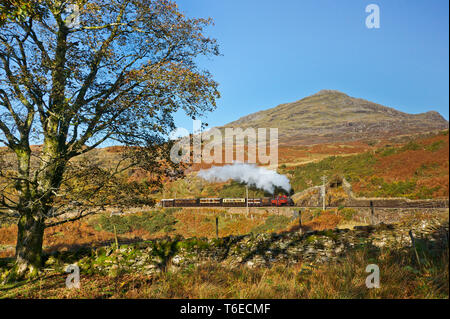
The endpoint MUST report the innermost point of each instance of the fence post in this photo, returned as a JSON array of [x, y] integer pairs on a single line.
[[413, 244], [372, 213], [300, 218], [300, 229], [217, 227], [115, 237]]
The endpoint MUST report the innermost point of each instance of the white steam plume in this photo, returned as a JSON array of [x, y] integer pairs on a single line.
[[247, 173]]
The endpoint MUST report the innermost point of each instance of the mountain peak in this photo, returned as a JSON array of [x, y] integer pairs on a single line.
[[328, 92], [333, 116], [433, 115]]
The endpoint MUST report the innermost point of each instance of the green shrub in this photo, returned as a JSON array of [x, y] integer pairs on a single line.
[[352, 168], [316, 212], [435, 146], [273, 223], [387, 151], [424, 168], [348, 213], [412, 146], [171, 210], [396, 189], [108, 223], [149, 221], [425, 192], [159, 221]]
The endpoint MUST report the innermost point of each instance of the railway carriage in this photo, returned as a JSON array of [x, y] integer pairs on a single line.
[[183, 202], [233, 202], [266, 201], [208, 202], [227, 202], [254, 202], [167, 203]]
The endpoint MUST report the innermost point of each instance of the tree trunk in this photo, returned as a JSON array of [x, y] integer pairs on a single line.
[[34, 206], [30, 235]]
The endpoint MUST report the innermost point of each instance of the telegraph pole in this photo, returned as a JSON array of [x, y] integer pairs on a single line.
[[246, 191], [324, 181]]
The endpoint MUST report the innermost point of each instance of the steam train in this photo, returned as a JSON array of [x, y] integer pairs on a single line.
[[278, 201]]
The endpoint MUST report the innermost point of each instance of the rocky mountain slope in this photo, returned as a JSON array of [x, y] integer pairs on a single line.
[[333, 116]]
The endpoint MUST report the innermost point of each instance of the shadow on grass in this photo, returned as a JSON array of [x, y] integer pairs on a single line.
[[8, 287], [69, 253]]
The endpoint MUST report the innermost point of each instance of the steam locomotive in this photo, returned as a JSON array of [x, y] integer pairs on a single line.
[[278, 201]]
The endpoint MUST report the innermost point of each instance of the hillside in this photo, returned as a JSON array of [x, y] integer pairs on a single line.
[[332, 116], [416, 168]]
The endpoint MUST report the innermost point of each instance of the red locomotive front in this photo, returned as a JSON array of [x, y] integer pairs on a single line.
[[282, 200]]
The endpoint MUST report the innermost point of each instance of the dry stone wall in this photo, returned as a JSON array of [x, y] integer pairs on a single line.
[[258, 250]]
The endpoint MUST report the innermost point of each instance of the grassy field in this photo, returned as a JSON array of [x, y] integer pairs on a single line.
[[400, 277]]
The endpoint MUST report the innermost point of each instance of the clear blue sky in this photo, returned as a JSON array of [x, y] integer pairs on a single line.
[[281, 51]]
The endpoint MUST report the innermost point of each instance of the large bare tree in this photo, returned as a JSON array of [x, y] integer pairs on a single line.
[[75, 74]]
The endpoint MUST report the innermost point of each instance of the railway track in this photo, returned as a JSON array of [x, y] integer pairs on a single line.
[[285, 201], [398, 207], [299, 207]]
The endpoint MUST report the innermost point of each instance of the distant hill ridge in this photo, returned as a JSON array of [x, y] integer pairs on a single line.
[[333, 116]]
